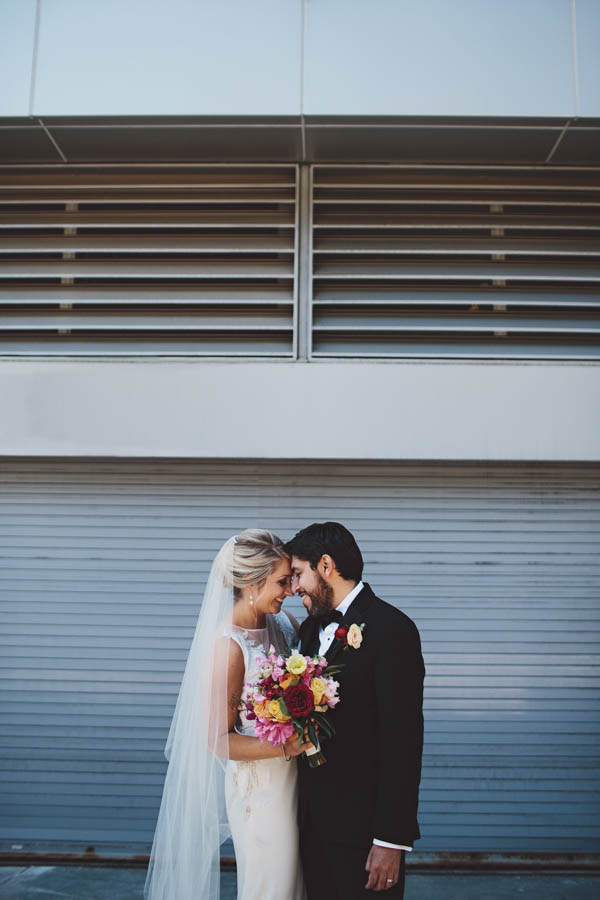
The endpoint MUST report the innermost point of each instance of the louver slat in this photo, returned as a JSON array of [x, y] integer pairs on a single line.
[[479, 263], [197, 260]]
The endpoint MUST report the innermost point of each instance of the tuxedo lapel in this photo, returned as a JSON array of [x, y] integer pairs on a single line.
[[309, 637], [353, 616], [309, 630]]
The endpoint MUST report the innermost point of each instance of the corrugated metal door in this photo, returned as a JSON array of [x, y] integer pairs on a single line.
[[103, 565]]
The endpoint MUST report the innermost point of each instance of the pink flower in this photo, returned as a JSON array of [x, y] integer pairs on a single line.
[[277, 673], [276, 733], [330, 695]]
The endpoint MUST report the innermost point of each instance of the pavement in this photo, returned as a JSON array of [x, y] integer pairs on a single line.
[[90, 883]]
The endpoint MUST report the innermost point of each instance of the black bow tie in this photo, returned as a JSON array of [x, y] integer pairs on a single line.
[[333, 615]]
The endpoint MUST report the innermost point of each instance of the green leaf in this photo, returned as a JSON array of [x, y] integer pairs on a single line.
[[312, 733], [326, 726], [331, 670], [283, 707], [324, 731], [299, 732]]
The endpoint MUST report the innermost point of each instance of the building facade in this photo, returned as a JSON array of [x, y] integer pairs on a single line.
[[271, 263]]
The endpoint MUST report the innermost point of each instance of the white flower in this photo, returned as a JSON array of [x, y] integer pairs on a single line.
[[354, 637], [296, 663]]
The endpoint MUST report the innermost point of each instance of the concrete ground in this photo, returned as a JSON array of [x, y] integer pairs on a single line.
[[87, 883]]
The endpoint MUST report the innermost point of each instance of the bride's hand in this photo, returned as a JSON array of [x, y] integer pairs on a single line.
[[291, 746]]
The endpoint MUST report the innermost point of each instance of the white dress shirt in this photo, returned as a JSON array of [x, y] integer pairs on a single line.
[[326, 636]]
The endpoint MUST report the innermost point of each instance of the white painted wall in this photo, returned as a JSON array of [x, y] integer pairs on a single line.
[[435, 57], [397, 411], [151, 57], [388, 57], [17, 31], [587, 30]]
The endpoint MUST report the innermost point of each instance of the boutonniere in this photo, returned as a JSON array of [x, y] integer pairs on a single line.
[[351, 636]]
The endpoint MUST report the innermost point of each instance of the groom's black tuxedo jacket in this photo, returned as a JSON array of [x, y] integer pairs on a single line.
[[368, 788]]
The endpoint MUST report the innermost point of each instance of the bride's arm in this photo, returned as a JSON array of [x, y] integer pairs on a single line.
[[243, 746]]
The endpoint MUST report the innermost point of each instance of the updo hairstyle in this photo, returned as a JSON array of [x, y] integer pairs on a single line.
[[256, 552]]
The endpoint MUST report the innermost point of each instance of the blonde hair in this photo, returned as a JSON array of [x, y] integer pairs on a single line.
[[256, 552]]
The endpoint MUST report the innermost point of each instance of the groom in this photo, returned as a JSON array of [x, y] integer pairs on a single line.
[[358, 811]]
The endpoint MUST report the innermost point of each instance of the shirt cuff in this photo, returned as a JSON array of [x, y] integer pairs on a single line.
[[393, 846]]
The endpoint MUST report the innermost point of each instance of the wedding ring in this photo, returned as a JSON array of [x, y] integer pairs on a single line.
[[389, 879]]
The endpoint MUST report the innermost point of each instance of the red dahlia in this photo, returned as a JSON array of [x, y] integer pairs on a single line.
[[299, 700]]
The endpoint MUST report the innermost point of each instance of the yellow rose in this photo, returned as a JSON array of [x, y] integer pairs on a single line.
[[318, 687], [260, 709], [296, 664], [322, 708], [354, 636], [274, 711]]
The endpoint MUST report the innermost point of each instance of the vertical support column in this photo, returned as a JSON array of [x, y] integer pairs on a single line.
[[304, 319]]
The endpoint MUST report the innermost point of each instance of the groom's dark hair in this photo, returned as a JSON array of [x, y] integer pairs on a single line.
[[332, 538]]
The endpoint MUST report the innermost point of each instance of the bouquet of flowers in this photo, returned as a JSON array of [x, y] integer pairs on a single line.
[[292, 694]]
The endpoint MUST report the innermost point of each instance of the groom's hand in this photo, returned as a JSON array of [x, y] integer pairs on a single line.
[[383, 866]]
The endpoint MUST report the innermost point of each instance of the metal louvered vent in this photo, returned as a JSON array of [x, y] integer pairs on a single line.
[[148, 260], [455, 262]]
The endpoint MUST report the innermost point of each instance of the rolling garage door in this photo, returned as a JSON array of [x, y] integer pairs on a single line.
[[103, 565]]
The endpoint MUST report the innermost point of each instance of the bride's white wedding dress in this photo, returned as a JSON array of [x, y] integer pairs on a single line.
[[261, 795]]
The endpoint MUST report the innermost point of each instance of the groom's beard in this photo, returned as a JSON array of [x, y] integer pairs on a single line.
[[321, 598]]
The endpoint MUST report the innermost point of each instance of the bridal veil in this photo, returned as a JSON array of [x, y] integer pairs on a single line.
[[192, 822]]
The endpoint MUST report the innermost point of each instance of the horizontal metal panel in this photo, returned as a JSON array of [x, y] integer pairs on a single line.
[[219, 268], [145, 244], [364, 320], [259, 294], [458, 177], [353, 245], [380, 297], [219, 347], [246, 320], [451, 349], [449, 202], [429, 240], [439, 217], [140, 246], [452, 270], [152, 219], [150, 196], [124, 177]]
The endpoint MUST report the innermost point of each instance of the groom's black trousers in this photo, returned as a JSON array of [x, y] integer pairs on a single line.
[[337, 871]]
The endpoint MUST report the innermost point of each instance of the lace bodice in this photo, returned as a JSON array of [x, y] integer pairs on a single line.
[[255, 642]]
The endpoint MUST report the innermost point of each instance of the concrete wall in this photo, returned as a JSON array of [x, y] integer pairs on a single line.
[[287, 57], [396, 411]]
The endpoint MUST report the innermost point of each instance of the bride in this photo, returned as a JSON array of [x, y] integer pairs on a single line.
[[221, 779]]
